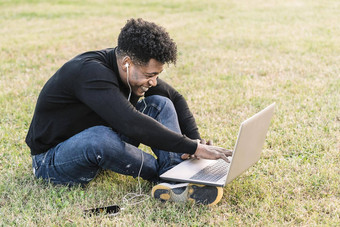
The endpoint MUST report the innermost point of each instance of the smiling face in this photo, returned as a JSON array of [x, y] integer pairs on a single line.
[[142, 77]]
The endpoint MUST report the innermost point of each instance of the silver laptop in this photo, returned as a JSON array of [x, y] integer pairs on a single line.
[[247, 151]]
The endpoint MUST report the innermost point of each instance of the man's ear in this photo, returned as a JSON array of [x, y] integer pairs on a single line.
[[125, 63]]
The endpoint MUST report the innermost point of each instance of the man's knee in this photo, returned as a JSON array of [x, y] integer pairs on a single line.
[[160, 102], [101, 140]]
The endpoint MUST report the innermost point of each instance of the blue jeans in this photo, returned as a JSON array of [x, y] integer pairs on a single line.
[[80, 158]]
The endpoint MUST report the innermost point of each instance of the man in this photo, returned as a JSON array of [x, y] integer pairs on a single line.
[[90, 116]]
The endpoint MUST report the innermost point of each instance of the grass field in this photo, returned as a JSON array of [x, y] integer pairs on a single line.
[[235, 58]]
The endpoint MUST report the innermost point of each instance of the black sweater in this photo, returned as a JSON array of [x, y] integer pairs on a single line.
[[87, 91]]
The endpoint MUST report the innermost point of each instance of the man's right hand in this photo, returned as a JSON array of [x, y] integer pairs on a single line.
[[207, 151]]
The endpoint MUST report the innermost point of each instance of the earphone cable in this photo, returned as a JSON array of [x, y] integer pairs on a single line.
[[127, 80], [133, 196]]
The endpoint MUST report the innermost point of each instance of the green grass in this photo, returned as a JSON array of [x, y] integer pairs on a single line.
[[235, 58]]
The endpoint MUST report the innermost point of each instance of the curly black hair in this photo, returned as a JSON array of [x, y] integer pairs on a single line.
[[142, 40]]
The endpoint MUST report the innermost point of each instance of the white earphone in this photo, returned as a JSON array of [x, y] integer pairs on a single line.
[[134, 195], [127, 79]]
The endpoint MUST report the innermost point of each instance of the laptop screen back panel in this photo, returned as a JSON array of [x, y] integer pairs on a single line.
[[250, 141]]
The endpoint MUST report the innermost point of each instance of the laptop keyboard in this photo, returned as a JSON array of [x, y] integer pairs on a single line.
[[212, 172]]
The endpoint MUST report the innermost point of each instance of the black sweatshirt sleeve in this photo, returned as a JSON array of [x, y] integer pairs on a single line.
[[98, 88]]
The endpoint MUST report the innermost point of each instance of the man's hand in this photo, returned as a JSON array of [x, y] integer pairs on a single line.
[[188, 156], [207, 151], [212, 152]]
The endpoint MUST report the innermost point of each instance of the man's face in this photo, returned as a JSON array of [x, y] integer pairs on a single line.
[[141, 78]]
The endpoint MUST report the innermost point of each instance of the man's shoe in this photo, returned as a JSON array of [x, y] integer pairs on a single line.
[[197, 193]]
